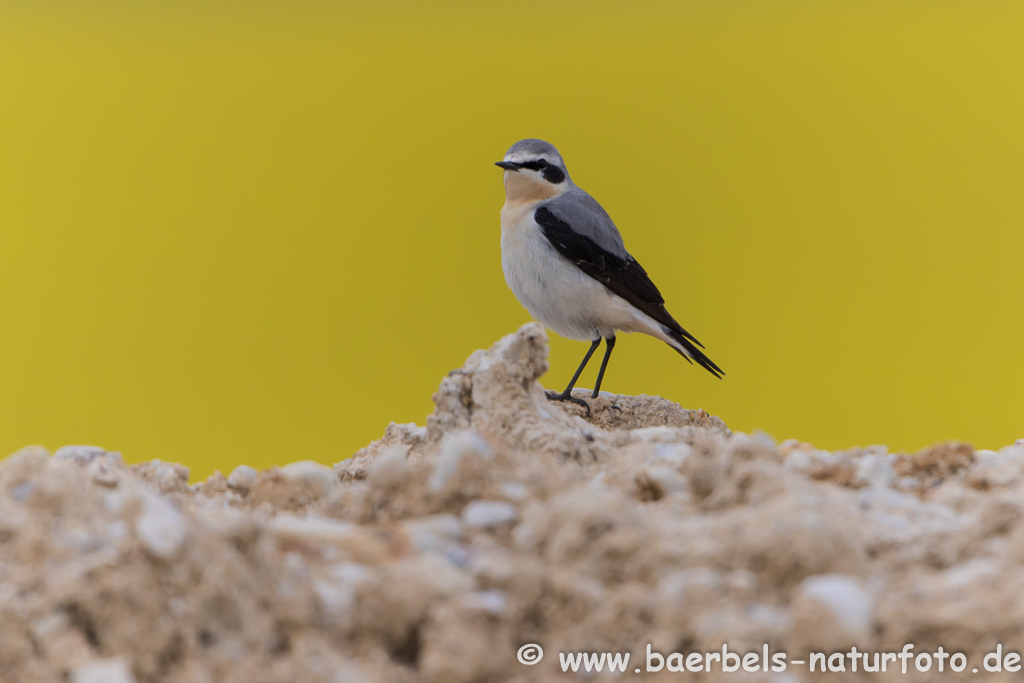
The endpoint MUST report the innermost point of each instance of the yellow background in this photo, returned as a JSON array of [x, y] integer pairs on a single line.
[[255, 232]]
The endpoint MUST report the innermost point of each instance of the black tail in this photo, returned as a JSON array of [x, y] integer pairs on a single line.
[[695, 354]]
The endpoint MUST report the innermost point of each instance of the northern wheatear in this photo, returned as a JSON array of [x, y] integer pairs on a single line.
[[565, 261]]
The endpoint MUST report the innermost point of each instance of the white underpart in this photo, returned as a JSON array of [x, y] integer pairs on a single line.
[[556, 292]]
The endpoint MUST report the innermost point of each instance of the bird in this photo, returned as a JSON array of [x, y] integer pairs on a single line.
[[565, 261]]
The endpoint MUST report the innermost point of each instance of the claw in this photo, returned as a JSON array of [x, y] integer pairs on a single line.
[[566, 396]]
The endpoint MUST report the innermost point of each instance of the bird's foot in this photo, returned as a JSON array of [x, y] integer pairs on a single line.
[[566, 396], [597, 393]]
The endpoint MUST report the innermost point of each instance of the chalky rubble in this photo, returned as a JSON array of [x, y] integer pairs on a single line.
[[437, 551]]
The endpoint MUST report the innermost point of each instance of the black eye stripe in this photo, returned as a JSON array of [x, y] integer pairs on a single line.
[[554, 175]]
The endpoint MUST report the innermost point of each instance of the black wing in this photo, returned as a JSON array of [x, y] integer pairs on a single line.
[[624, 277]]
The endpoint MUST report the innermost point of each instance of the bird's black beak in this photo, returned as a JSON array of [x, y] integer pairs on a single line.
[[508, 165]]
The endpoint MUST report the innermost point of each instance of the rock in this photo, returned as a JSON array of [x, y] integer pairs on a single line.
[[833, 611], [243, 478], [876, 470], [455, 447], [390, 468], [105, 467], [492, 602], [159, 526], [336, 589], [313, 529], [683, 595], [437, 551], [83, 455], [315, 477], [292, 487], [114, 670], [991, 470], [656, 482], [514, 491], [671, 455], [168, 477], [434, 533], [355, 542], [486, 514]]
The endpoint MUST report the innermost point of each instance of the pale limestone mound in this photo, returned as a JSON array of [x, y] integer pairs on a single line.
[[438, 550]]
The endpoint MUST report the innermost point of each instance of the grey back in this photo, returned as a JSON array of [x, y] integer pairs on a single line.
[[588, 218]]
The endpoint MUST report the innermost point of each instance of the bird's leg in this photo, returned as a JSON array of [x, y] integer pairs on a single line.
[[609, 344], [567, 394]]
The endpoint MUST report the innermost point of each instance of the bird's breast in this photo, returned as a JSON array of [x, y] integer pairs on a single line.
[[516, 216], [551, 288], [520, 249]]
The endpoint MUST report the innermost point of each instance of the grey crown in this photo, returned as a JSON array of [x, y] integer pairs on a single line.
[[575, 207]]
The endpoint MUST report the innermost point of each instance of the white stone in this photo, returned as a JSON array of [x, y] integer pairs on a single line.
[[492, 601], [225, 521], [313, 529], [336, 591], [83, 455], [169, 477], [741, 441], [390, 467], [317, 476], [410, 432], [53, 624], [997, 469], [350, 672], [766, 617], [669, 435], [670, 454], [434, 533], [514, 491], [907, 482], [107, 470], [598, 485], [159, 526], [895, 502], [178, 606], [81, 538], [891, 522], [876, 470], [670, 481], [243, 477], [455, 447], [845, 597], [837, 458], [23, 491], [689, 585], [114, 670], [798, 461], [348, 573], [485, 514], [981, 571]]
